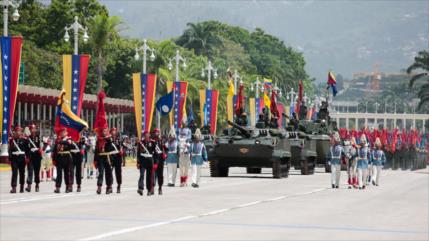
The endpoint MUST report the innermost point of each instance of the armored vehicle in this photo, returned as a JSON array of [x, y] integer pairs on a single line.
[[252, 148]]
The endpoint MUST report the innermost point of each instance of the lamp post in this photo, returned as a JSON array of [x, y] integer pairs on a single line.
[[15, 14], [209, 69], [177, 58], [236, 76], [144, 49], [255, 87], [76, 26], [376, 107], [292, 95]]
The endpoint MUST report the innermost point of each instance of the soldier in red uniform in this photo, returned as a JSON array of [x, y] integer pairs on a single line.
[[18, 152], [159, 157], [145, 150], [117, 157], [104, 156], [62, 159], [35, 156]]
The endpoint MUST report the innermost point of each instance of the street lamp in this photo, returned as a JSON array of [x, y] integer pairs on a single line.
[[209, 69], [76, 26], [177, 58], [236, 76], [15, 15], [376, 107], [144, 49]]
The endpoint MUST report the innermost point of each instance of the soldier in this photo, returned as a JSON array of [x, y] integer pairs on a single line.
[[35, 155], [158, 158], [76, 169], [92, 142], [198, 156], [145, 150], [351, 155], [117, 158], [184, 158], [18, 152], [336, 154], [378, 158], [104, 160], [172, 157], [362, 161], [62, 160]]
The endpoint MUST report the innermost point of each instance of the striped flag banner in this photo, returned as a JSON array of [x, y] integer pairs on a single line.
[[180, 90], [144, 87], [208, 107], [75, 71], [10, 63], [281, 109]]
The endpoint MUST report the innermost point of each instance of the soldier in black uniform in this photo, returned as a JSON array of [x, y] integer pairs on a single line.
[[18, 152], [145, 151], [159, 158], [117, 157], [76, 169], [35, 156], [62, 160], [104, 157]]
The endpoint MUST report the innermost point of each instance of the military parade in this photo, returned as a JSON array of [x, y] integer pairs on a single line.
[[207, 132]]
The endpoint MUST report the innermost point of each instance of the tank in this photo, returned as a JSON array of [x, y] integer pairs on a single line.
[[252, 148]]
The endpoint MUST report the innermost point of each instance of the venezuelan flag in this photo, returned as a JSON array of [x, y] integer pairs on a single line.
[[10, 62], [332, 83], [180, 89], [208, 107], [144, 87], [75, 71], [268, 83], [66, 118]]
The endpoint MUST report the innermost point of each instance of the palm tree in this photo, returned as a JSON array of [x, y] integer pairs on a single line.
[[103, 31], [201, 37], [421, 62]]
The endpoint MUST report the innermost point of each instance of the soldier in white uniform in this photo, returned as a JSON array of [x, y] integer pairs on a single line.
[[336, 155], [362, 162], [184, 157], [172, 157], [92, 141], [351, 154], [378, 158], [198, 156]]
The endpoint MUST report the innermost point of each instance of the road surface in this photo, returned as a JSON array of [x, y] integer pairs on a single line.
[[240, 207]]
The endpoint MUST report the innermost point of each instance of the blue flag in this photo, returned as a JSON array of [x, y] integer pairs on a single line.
[[190, 114], [165, 103]]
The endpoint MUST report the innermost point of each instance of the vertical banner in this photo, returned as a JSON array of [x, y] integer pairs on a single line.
[[252, 110], [202, 105], [10, 64], [209, 108], [144, 86], [169, 89], [75, 71], [180, 91], [230, 107], [281, 109]]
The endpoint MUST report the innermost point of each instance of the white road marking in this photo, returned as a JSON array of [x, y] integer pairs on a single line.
[[211, 213]]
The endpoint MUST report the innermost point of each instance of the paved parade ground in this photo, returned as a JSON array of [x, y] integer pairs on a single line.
[[240, 207]]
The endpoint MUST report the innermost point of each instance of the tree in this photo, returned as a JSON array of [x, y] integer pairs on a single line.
[[103, 31], [421, 62], [201, 37]]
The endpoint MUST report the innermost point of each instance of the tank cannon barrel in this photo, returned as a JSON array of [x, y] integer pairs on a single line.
[[243, 131]]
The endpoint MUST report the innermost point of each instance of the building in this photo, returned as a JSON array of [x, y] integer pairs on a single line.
[[37, 105]]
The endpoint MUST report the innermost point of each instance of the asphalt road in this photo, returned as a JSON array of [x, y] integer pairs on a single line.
[[240, 207]]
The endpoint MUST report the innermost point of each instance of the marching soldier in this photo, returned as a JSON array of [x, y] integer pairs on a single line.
[[362, 161], [62, 159], [159, 157], [184, 158], [378, 158], [18, 151], [145, 150], [351, 155], [35, 156], [336, 155], [172, 157], [92, 142], [76, 169], [198, 156], [117, 158], [104, 160]]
